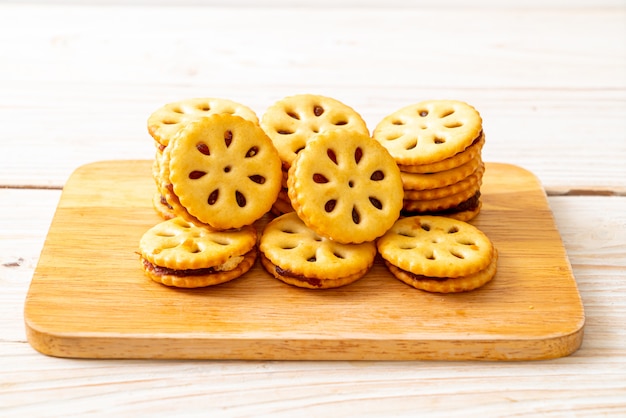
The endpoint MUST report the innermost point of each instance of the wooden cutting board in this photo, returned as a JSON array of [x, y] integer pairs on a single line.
[[89, 297]]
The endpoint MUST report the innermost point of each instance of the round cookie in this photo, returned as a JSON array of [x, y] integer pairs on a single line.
[[293, 120], [469, 153], [447, 285], [295, 254], [178, 253], [436, 246], [166, 121], [346, 186], [223, 172], [429, 131]]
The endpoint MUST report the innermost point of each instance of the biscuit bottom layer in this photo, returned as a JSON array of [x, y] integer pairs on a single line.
[[165, 271], [300, 280], [447, 284]]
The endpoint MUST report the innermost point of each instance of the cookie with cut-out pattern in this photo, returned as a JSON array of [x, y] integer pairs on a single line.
[[447, 285], [297, 255], [166, 121], [223, 171], [345, 186], [180, 254], [436, 246], [293, 120], [429, 131]]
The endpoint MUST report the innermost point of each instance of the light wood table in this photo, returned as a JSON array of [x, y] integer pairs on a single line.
[[77, 83]]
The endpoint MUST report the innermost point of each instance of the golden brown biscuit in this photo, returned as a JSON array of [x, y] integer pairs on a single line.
[[346, 186], [469, 153], [474, 180], [297, 255], [447, 285], [293, 120], [309, 282], [166, 121], [429, 131], [442, 203], [178, 253], [436, 246], [162, 208], [223, 172], [418, 181]]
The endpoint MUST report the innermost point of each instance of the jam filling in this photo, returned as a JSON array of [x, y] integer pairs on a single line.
[[161, 271], [165, 203], [421, 277], [288, 273], [480, 135], [474, 142], [467, 205]]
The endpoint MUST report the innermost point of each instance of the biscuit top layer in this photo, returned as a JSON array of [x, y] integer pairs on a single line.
[[429, 131], [294, 120]]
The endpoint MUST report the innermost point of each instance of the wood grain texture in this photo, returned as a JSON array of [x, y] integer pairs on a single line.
[[548, 81], [89, 298], [77, 83], [35, 384]]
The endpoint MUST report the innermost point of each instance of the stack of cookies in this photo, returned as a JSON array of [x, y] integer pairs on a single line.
[[341, 190], [169, 120], [338, 194], [292, 121], [180, 254], [295, 254], [437, 145], [216, 174], [438, 254], [346, 192]]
